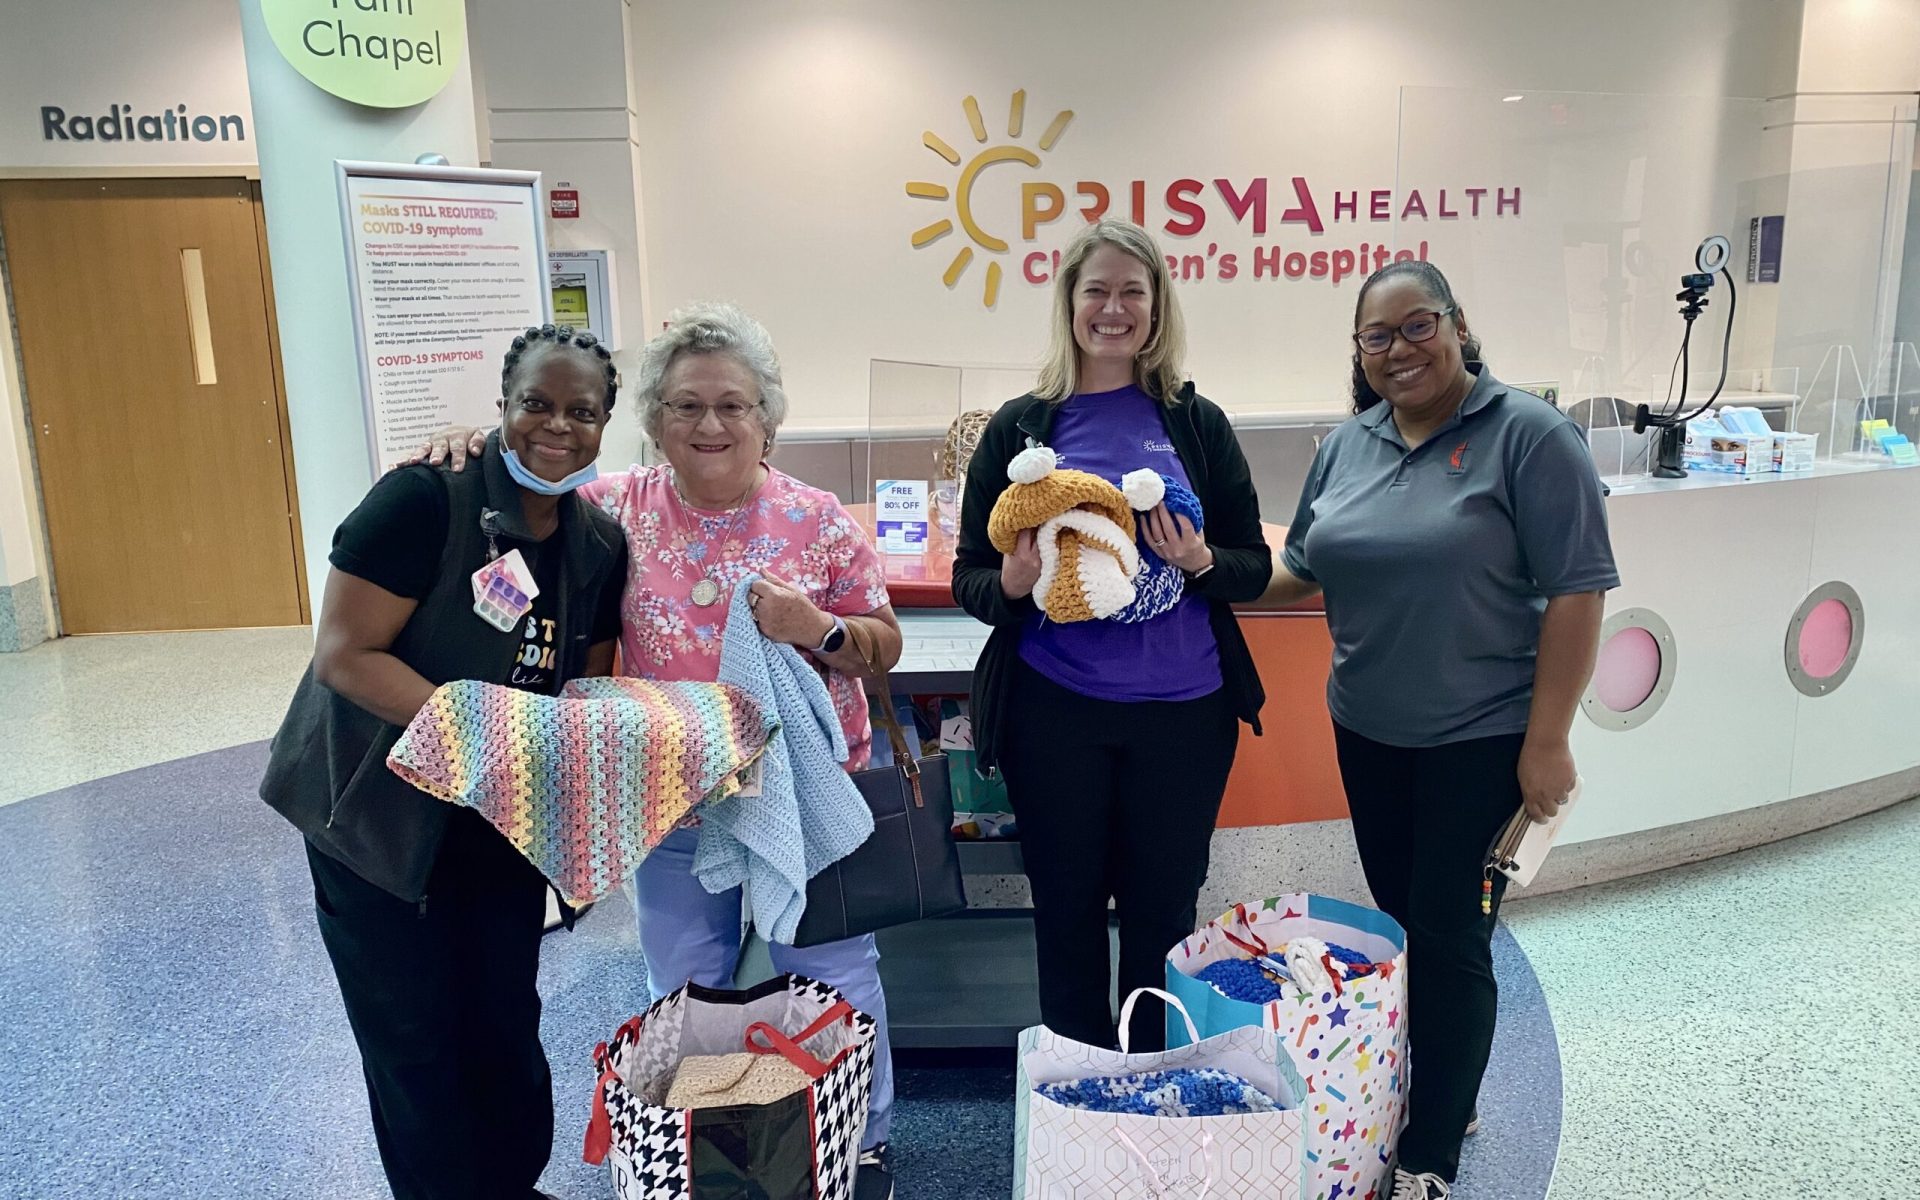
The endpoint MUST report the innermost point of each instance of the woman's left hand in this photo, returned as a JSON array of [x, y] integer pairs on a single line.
[[784, 613], [1546, 777], [1174, 538]]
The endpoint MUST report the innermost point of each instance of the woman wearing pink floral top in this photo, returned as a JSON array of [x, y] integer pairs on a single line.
[[711, 398], [786, 530]]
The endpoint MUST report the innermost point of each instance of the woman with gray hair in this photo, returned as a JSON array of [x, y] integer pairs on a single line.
[[711, 399]]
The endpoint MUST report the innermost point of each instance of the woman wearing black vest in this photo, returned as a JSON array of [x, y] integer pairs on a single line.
[[431, 918]]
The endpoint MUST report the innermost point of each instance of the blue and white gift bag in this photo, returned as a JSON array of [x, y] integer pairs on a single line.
[[1063, 1152]]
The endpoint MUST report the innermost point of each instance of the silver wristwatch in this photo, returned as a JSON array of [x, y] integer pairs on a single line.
[[836, 637]]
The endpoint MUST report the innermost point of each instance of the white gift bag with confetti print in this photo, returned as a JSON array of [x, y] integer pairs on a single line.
[[1343, 1024], [1074, 1153]]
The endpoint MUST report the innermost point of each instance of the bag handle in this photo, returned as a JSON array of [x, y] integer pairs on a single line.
[[789, 1047], [1254, 944], [1126, 1014], [600, 1125], [896, 737]]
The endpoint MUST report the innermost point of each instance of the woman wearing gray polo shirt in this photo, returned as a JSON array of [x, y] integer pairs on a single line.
[[1457, 528]]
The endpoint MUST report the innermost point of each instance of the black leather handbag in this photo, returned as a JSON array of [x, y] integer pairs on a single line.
[[909, 869]]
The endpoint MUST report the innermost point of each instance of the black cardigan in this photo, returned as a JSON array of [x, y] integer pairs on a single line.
[[1242, 561]]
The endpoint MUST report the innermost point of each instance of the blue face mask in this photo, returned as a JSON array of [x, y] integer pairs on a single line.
[[525, 477]]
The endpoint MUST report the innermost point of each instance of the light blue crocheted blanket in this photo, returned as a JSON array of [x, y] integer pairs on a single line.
[[808, 814]]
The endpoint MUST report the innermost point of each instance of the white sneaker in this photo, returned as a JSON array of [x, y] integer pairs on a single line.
[[1424, 1186]]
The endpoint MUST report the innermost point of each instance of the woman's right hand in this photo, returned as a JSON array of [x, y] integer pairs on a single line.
[[1020, 571], [452, 445]]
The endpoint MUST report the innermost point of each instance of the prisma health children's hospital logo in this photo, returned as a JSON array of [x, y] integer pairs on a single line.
[[961, 193], [1218, 227]]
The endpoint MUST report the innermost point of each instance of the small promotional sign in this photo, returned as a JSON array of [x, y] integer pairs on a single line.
[[900, 515]]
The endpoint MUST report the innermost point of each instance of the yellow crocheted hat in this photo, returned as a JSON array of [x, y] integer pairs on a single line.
[[1040, 491]]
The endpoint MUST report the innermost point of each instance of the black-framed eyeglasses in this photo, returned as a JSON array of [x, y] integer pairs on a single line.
[[1420, 327]]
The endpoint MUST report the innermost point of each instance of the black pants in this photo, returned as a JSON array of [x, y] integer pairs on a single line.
[[1423, 820], [442, 1002], [1113, 801]]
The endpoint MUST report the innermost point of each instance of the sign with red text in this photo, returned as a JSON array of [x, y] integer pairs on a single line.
[[445, 266], [1222, 229]]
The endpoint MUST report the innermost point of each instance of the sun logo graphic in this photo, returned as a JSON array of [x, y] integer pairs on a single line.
[[962, 191]]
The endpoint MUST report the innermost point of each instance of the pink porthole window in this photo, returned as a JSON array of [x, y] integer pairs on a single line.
[[1824, 639], [1634, 671], [1628, 669]]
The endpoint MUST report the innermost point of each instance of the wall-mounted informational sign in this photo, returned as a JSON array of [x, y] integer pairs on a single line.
[[582, 285], [380, 53], [444, 266]]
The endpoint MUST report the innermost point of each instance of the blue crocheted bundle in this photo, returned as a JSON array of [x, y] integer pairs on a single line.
[[1188, 1092], [1160, 584], [1244, 979], [1353, 958]]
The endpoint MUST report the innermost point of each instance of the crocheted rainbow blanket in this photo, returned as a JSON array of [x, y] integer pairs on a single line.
[[587, 783]]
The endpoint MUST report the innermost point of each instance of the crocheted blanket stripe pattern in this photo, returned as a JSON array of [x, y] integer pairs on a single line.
[[587, 783]]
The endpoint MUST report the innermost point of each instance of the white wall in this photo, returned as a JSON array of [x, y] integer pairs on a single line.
[[20, 552], [86, 55], [777, 142], [557, 101]]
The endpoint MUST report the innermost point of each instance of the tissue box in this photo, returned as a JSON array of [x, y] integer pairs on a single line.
[[1794, 451]]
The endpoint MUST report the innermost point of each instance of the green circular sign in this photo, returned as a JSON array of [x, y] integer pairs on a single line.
[[380, 53]]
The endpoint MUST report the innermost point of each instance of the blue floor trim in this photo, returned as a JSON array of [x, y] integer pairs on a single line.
[[172, 1026]]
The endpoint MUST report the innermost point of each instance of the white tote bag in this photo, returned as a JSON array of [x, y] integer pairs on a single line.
[[1062, 1153]]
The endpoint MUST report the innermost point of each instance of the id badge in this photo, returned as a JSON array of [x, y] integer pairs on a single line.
[[503, 591], [502, 604]]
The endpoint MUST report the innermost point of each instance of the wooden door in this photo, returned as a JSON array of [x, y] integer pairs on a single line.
[[151, 387]]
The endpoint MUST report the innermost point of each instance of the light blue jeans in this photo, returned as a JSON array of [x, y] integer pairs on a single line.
[[688, 934]]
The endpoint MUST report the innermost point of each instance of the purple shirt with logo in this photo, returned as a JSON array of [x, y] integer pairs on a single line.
[[1170, 657]]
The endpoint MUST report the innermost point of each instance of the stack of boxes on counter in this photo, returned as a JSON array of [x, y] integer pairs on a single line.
[[1737, 440]]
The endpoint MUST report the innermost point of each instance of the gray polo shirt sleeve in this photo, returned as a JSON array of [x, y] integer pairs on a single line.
[[1560, 516], [1294, 554]]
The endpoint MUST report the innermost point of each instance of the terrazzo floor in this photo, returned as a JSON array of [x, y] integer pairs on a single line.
[[83, 708], [1742, 1027]]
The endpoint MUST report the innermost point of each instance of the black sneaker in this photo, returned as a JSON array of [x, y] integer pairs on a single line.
[[875, 1180], [1473, 1122], [1424, 1186]]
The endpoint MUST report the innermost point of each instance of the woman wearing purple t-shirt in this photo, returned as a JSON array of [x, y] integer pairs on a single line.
[[1115, 738]]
